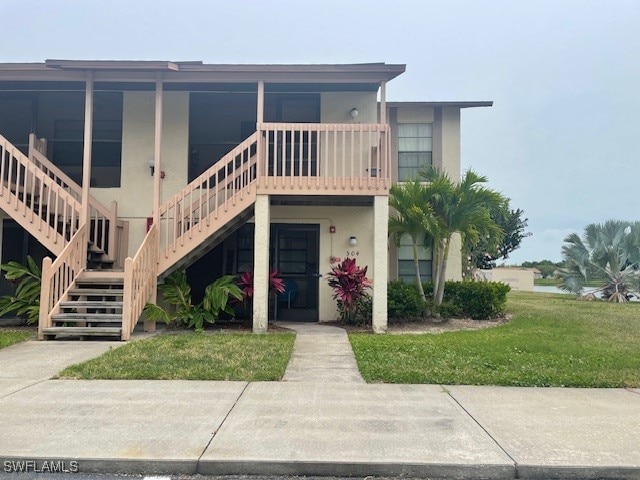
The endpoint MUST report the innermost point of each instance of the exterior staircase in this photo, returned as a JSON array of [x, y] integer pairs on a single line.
[[93, 308], [91, 290], [102, 301], [47, 204]]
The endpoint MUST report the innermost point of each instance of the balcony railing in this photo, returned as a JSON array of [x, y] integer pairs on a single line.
[[323, 159]]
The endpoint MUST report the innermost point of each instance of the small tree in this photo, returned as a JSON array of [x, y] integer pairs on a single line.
[[489, 249], [464, 208], [349, 283], [411, 216]]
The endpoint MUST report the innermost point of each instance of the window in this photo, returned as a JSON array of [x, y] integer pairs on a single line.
[[406, 269], [414, 148]]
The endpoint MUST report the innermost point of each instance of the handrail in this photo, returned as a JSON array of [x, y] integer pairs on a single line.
[[39, 204], [140, 281], [58, 277], [101, 219], [205, 198]]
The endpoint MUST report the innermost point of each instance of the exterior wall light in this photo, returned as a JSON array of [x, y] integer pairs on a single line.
[[152, 166], [353, 241], [354, 113]]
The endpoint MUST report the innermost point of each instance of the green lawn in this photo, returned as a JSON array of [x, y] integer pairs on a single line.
[[553, 340], [9, 337], [192, 356]]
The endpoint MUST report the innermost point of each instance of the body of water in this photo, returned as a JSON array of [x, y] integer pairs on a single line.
[[548, 289]]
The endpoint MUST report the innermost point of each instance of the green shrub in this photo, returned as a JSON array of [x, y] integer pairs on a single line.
[[449, 310], [363, 313], [478, 300], [176, 292], [26, 300], [403, 300]]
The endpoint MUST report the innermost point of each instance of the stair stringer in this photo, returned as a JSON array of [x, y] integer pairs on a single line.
[[37, 226], [203, 232]]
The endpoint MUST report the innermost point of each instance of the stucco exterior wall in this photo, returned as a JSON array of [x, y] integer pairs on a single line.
[[359, 150], [450, 161], [335, 107], [445, 155], [415, 115], [349, 221], [516, 278], [135, 195]]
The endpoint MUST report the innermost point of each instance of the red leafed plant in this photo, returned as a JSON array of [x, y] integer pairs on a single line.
[[246, 283], [349, 283]]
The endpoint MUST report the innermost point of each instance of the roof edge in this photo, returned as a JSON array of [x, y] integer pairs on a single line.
[[453, 103]]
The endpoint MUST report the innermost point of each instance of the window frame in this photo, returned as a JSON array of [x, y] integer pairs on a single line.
[[412, 171]]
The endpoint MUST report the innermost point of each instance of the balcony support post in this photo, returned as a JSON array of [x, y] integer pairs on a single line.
[[261, 264], [380, 262], [260, 106], [86, 153], [157, 151], [383, 103]]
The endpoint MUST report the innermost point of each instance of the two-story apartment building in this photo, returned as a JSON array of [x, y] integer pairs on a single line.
[[123, 171]]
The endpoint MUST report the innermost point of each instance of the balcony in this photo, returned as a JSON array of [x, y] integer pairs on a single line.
[[323, 159]]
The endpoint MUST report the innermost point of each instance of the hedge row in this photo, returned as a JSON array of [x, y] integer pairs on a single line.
[[478, 300]]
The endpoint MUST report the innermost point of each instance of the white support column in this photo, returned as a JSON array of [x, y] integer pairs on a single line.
[[261, 264], [383, 103], [88, 141], [380, 262], [260, 106], [157, 151], [261, 169]]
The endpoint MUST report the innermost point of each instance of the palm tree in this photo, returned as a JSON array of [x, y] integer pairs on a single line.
[[464, 208], [609, 253], [412, 216]]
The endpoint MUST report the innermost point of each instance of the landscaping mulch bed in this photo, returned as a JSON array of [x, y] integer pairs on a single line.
[[429, 325]]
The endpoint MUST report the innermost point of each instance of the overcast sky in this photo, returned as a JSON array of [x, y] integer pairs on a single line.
[[562, 140]]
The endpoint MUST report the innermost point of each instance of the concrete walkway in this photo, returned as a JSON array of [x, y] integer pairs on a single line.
[[28, 363], [321, 354], [317, 428]]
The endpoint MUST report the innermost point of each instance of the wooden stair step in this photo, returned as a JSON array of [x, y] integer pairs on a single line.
[[97, 292], [85, 331], [100, 281], [91, 322], [87, 317], [91, 304]]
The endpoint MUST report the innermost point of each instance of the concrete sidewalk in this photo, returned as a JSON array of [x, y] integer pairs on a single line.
[[321, 354], [329, 426], [28, 363]]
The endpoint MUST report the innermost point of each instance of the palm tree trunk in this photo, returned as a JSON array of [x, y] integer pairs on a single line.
[[439, 292], [416, 264], [437, 263]]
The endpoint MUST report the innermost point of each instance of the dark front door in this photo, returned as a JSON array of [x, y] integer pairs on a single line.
[[296, 258]]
